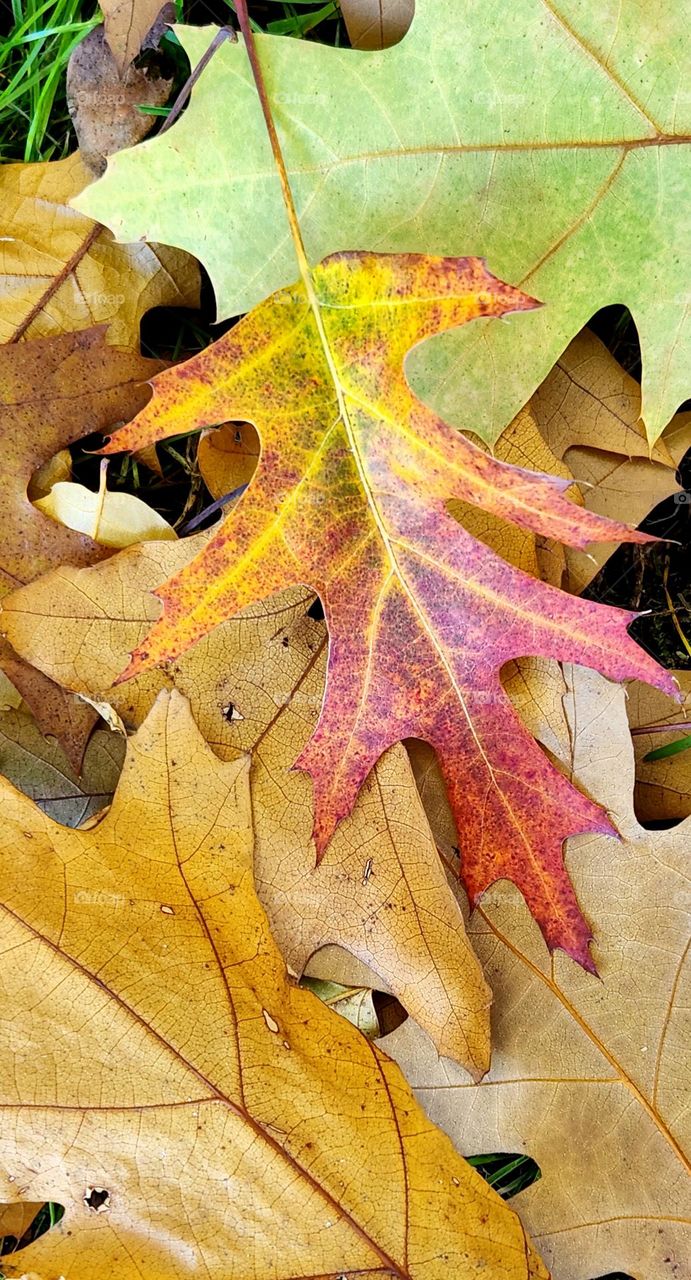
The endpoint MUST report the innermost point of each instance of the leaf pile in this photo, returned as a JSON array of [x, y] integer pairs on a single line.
[[246, 776]]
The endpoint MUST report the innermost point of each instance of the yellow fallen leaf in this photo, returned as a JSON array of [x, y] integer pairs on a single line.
[[193, 1110], [256, 685], [60, 271], [111, 519]]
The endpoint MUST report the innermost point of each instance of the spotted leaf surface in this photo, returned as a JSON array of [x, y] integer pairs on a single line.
[[350, 498]]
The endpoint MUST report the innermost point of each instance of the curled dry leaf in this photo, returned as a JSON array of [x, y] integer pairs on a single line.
[[663, 787], [59, 271], [210, 1076], [587, 1077], [350, 497], [256, 684], [113, 520], [104, 103]]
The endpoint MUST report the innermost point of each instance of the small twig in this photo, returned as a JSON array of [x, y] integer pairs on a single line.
[[678, 726], [673, 613], [181, 100], [208, 511]]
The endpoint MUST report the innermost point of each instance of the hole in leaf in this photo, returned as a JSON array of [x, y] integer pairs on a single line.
[[616, 1275], [23, 1222], [390, 1012], [654, 578], [616, 327], [316, 610], [374, 1013], [231, 713], [507, 1172], [97, 1199]]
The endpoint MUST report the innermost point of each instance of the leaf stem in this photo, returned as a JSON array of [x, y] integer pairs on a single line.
[[250, 45]]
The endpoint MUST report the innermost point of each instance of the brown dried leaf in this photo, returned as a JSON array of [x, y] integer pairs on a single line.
[[59, 713], [53, 391], [233, 1124], [587, 1076], [377, 24], [588, 410], [128, 23], [104, 103]]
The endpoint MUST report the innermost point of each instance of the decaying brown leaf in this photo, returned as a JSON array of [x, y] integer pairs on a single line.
[[60, 714], [104, 102], [59, 271], [588, 411], [232, 1125], [663, 787], [55, 390], [377, 24], [589, 1077], [256, 684]]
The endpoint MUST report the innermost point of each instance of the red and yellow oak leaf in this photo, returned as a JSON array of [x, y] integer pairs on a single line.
[[350, 498], [233, 1125], [256, 684]]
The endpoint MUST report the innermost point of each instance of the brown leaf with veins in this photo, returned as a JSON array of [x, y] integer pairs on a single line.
[[376, 24], [59, 271], [589, 1078], [128, 23], [60, 714], [53, 391], [256, 684], [234, 1124], [588, 410]]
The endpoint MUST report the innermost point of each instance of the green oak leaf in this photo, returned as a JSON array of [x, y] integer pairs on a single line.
[[550, 136]]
